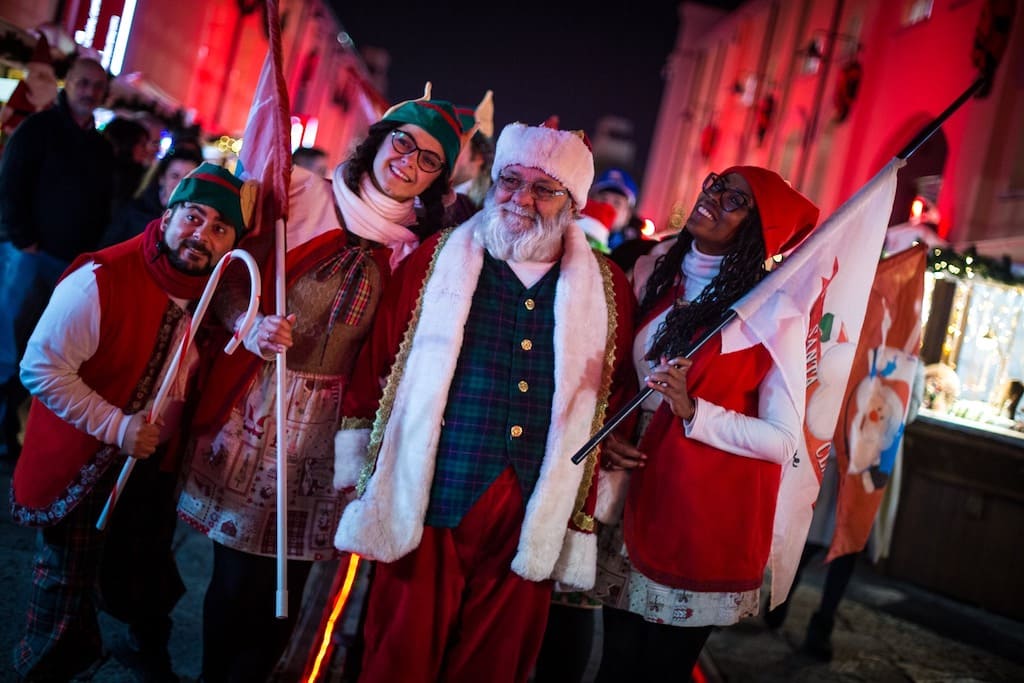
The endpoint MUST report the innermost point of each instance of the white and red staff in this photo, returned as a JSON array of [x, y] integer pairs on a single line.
[[186, 342]]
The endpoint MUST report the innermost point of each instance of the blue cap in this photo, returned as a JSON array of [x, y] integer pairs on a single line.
[[616, 180]]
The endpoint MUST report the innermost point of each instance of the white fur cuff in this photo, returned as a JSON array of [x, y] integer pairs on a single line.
[[577, 566], [349, 456]]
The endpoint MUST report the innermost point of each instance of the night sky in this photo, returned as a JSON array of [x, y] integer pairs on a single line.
[[576, 60]]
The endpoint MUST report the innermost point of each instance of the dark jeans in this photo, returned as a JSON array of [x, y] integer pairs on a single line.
[[26, 282]]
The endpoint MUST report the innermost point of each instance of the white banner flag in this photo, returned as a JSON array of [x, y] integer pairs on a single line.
[[808, 313]]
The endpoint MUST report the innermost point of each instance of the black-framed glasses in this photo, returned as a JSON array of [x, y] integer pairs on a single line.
[[512, 184], [404, 144], [729, 199]]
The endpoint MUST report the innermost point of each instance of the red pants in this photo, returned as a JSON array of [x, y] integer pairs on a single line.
[[452, 610]]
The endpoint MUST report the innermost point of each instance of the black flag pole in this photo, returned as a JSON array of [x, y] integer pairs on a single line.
[[624, 412], [937, 122], [915, 143]]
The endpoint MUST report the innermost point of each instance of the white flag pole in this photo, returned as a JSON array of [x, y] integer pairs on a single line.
[[281, 611]]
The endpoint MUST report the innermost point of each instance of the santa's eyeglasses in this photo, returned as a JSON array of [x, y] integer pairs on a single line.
[[512, 184]]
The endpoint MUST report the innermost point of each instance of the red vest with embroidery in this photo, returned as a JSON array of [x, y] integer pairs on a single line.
[[132, 311], [696, 517]]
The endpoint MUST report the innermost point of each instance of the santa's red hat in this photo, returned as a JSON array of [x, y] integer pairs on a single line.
[[564, 155]]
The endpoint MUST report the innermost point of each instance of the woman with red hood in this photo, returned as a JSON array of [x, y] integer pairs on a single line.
[[716, 433]]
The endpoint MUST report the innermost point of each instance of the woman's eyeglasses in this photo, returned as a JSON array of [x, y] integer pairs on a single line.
[[511, 184], [404, 144], [729, 199]]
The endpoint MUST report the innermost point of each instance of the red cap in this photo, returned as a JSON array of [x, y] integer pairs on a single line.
[[600, 211]]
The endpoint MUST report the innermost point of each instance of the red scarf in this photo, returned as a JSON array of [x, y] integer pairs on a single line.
[[176, 283]]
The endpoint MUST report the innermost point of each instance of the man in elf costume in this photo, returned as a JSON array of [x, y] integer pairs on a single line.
[[501, 345], [93, 366]]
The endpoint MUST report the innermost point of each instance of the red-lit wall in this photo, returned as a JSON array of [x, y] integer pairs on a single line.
[[910, 74]]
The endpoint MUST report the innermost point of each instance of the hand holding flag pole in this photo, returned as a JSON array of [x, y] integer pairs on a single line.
[[186, 343]]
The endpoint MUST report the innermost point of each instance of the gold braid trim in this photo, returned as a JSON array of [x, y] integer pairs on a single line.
[[580, 518], [387, 400], [355, 423]]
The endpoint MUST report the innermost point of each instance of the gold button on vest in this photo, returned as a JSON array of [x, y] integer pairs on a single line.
[[526, 344], [530, 304], [516, 431], [523, 386]]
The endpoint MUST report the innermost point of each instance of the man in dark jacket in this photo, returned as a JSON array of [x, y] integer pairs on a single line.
[[56, 178]]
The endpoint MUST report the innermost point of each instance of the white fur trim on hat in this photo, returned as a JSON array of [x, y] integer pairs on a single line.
[[561, 154]]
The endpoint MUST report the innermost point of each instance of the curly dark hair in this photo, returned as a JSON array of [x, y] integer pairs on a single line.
[[741, 269], [431, 219]]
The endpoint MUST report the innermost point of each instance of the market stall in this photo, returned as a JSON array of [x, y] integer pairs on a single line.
[[961, 510]]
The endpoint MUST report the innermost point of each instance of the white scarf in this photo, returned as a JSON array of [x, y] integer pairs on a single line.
[[374, 216]]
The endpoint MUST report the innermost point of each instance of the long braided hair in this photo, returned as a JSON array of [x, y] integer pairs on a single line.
[[361, 161], [741, 269]]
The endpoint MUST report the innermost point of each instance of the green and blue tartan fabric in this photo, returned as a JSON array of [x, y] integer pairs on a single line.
[[503, 383]]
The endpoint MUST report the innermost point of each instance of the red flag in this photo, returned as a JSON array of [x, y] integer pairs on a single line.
[[266, 144], [874, 411]]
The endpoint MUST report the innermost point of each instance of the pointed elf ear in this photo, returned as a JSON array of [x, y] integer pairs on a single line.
[[247, 195], [484, 114], [467, 135], [425, 98]]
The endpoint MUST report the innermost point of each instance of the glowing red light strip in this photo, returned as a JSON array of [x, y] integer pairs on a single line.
[[339, 605]]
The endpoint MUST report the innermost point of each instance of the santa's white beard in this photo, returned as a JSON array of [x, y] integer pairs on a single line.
[[505, 238]]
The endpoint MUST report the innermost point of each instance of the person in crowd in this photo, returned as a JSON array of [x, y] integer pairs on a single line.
[[616, 187], [313, 159], [132, 157], [345, 238], [151, 199], [704, 480], [94, 365], [501, 346], [56, 177], [472, 175], [596, 221]]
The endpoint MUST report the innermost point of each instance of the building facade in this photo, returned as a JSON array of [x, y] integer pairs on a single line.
[[206, 59], [827, 92]]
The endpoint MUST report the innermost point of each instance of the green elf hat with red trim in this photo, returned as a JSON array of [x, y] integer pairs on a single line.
[[437, 117], [214, 186]]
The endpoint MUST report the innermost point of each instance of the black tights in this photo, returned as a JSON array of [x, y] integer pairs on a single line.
[[837, 578], [242, 639], [568, 638], [638, 650]]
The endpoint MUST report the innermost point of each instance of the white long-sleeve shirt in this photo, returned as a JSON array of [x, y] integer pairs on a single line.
[[67, 335]]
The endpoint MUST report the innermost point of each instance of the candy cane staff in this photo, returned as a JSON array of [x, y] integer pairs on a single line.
[[93, 364], [156, 410]]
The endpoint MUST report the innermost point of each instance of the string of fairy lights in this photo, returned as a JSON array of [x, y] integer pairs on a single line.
[[971, 265]]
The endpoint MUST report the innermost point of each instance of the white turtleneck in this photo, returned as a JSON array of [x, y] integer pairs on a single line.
[[698, 271]]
